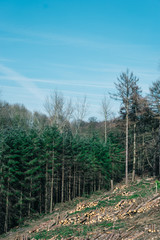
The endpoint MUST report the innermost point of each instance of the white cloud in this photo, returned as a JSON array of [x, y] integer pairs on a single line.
[[47, 38], [63, 82], [24, 82]]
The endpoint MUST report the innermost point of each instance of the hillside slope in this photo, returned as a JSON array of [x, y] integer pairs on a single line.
[[131, 212]]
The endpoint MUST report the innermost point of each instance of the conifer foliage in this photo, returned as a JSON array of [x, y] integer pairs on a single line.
[[44, 161], [43, 165]]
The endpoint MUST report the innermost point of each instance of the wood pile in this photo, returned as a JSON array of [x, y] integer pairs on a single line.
[[153, 202], [127, 194], [83, 205], [126, 208], [119, 188]]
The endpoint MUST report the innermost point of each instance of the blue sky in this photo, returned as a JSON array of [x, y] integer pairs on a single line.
[[77, 47]]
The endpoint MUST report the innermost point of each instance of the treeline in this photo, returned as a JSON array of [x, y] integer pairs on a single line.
[[49, 159], [42, 165]]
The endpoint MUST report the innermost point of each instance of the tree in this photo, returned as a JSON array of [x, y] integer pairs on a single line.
[[106, 111], [80, 112], [59, 111], [155, 106], [14, 116], [125, 86], [135, 111], [52, 148], [12, 175]]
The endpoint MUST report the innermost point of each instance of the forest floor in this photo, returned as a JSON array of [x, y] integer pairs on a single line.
[[127, 212]]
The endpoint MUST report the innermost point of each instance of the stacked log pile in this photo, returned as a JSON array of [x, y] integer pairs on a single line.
[[153, 202], [84, 215], [125, 208], [84, 205]]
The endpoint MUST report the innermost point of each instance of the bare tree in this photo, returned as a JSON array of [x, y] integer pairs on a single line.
[[125, 90], [80, 111], [59, 111], [106, 112], [135, 111]]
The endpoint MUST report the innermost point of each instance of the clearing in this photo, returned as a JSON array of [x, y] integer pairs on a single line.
[[131, 212]]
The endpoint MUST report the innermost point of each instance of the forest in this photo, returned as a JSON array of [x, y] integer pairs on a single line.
[[47, 159]]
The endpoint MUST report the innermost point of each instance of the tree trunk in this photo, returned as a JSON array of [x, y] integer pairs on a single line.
[[69, 184], [57, 189], [46, 190], [105, 131], [154, 154], [52, 182], [134, 154], [21, 204], [127, 123], [154, 165], [30, 195], [99, 181], [84, 184], [111, 184], [143, 156], [74, 181], [91, 186], [79, 184], [95, 184], [62, 185], [40, 199], [7, 209]]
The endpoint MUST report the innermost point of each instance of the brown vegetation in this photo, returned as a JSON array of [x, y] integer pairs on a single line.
[[126, 213]]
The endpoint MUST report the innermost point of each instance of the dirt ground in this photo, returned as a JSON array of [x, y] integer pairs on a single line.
[[131, 212]]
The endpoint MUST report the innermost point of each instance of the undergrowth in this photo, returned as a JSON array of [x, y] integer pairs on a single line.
[[72, 230], [142, 189]]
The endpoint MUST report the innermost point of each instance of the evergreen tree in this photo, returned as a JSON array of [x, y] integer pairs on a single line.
[[155, 106]]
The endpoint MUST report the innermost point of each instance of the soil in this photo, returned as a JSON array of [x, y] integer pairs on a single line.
[[127, 212]]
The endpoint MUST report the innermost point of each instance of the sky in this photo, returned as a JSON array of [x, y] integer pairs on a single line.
[[76, 47]]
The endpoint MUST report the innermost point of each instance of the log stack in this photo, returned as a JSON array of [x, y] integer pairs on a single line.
[[83, 205], [126, 208]]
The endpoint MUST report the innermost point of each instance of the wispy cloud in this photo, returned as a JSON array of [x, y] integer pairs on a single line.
[[32, 85], [49, 38], [20, 35], [99, 42], [21, 80], [57, 82], [96, 67]]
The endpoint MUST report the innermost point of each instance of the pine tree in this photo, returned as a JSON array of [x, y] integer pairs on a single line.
[[155, 105]]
